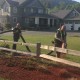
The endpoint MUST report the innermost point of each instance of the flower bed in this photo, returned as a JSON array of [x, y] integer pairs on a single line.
[[31, 68]]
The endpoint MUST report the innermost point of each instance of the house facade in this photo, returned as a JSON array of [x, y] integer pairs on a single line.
[[31, 14], [71, 18], [9, 13], [35, 15]]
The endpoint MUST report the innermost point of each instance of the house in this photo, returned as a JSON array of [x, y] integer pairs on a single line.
[[35, 15], [31, 14], [9, 13], [71, 18]]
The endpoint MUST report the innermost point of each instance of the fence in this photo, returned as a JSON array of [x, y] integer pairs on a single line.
[[38, 47]]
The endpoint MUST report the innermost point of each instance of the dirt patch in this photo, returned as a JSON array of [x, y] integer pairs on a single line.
[[31, 68]]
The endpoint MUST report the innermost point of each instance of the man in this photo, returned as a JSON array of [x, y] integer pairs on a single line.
[[16, 34], [60, 38]]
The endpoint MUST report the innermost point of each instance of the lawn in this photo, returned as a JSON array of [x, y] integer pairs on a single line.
[[73, 42], [46, 38]]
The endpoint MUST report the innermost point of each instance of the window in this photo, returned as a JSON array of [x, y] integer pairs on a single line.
[[74, 14], [40, 10], [77, 22], [70, 22], [32, 10], [32, 20], [66, 22], [14, 19], [24, 10], [26, 20], [6, 10], [43, 21], [14, 9]]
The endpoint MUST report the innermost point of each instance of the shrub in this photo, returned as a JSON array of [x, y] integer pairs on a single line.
[[8, 26], [4, 46]]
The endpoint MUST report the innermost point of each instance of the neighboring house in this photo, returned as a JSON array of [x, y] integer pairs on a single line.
[[9, 13], [71, 18], [30, 14], [34, 15]]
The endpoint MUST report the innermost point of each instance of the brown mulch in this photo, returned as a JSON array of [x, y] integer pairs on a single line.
[[25, 68]]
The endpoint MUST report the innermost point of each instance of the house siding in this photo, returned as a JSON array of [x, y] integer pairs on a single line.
[[34, 11]]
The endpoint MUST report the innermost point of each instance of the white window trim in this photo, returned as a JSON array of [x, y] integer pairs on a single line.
[[32, 10]]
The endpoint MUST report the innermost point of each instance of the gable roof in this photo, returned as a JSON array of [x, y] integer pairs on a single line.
[[1, 2], [78, 9], [32, 3], [20, 1], [12, 3], [61, 13], [36, 3]]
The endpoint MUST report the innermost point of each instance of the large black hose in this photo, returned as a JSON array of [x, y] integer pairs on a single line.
[[6, 31]]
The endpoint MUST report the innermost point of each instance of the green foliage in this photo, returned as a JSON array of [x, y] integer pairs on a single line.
[[54, 5], [3, 52], [8, 26], [4, 45]]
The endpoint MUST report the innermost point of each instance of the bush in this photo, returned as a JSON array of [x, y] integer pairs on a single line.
[[8, 26], [4, 46]]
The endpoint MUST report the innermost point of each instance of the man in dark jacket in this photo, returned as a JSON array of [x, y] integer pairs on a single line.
[[16, 34], [60, 39]]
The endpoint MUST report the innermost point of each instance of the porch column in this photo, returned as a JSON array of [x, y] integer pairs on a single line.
[[74, 25], [9, 9], [37, 20], [48, 21], [1, 11]]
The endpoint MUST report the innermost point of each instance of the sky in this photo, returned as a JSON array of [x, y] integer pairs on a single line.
[[77, 0]]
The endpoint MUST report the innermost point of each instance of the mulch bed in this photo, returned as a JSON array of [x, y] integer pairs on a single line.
[[28, 68]]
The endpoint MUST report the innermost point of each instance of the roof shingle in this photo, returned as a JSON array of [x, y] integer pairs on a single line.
[[61, 13], [13, 3]]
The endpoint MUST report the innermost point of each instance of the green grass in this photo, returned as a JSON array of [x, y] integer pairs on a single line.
[[3, 79], [73, 58], [45, 39], [73, 42]]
